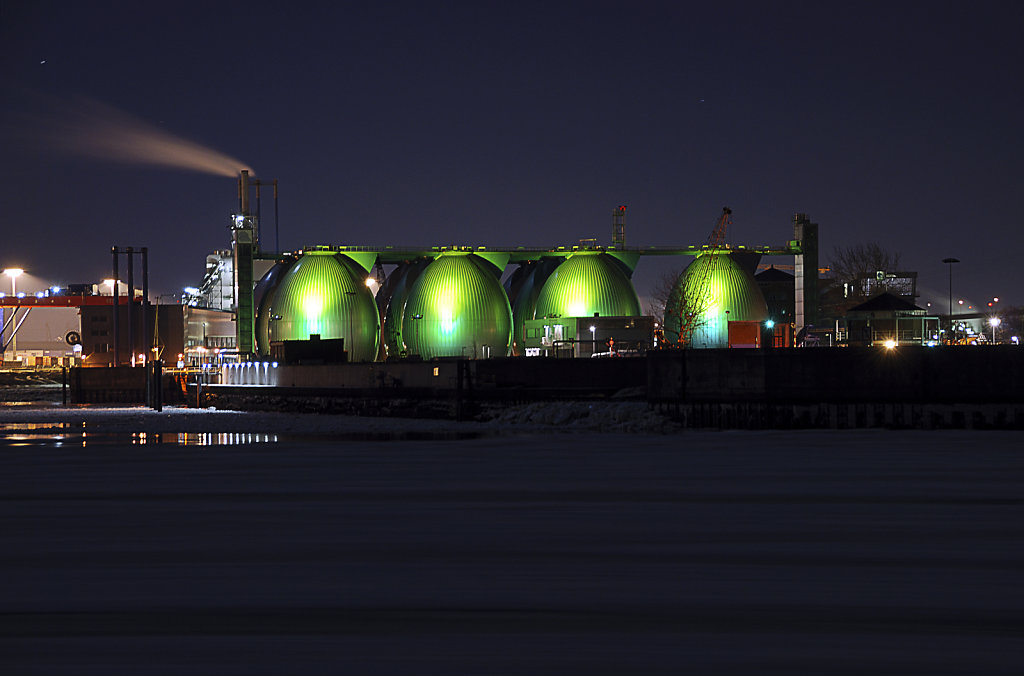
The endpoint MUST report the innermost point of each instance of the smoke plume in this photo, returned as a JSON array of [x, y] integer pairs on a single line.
[[92, 129]]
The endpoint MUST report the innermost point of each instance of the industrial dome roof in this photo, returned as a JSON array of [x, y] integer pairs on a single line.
[[523, 288], [588, 282], [263, 295], [457, 307], [391, 301], [730, 294], [324, 293]]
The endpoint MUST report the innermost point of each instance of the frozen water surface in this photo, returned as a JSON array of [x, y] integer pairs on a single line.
[[520, 551]]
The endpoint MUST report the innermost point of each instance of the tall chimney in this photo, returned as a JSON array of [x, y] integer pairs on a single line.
[[243, 192]]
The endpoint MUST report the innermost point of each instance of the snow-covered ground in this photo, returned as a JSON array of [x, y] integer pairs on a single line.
[[549, 416], [519, 552]]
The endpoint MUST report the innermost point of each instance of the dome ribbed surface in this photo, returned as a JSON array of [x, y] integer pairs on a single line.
[[457, 308], [398, 286], [324, 293], [263, 295], [587, 283], [728, 287], [524, 289]]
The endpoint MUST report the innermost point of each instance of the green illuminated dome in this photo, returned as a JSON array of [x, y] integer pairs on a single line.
[[391, 300], [262, 296], [457, 308], [523, 288], [728, 287], [586, 283], [324, 293]]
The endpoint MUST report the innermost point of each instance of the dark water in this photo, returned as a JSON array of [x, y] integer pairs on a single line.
[[58, 435], [724, 553]]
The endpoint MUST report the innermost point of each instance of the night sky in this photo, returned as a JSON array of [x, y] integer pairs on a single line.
[[515, 124]]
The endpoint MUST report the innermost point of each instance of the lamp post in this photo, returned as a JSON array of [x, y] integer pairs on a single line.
[[14, 273], [949, 262], [593, 339], [416, 333], [994, 322], [349, 329]]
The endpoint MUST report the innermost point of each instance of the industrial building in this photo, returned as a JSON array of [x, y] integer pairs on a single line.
[[444, 301], [476, 302], [394, 303]]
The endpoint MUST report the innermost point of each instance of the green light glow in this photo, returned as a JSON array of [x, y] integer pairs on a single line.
[[263, 294], [731, 294], [312, 308], [404, 276], [323, 293], [457, 308], [586, 283], [524, 289]]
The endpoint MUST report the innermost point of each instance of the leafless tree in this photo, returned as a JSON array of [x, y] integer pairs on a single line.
[[855, 275], [661, 293], [862, 261]]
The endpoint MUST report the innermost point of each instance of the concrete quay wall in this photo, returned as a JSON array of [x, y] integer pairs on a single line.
[[908, 387], [838, 375]]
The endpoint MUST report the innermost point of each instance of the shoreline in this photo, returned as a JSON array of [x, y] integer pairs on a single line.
[[567, 418]]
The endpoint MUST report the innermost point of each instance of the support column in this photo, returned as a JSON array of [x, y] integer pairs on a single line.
[[116, 345], [242, 245], [806, 271]]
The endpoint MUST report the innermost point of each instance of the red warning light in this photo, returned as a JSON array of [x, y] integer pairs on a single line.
[[622, 207]]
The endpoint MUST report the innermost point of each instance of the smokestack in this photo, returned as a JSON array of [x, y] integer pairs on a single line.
[[243, 192]]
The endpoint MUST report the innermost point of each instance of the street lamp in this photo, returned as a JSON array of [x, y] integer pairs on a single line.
[[14, 273], [416, 332], [994, 322], [950, 261]]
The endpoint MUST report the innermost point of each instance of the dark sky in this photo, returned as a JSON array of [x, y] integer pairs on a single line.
[[504, 124]]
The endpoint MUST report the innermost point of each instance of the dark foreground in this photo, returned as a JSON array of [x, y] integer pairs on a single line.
[[865, 552]]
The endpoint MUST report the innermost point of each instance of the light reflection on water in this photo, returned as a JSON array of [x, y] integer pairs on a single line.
[[69, 434], [59, 435]]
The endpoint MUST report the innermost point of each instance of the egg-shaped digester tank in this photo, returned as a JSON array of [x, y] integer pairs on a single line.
[[711, 285], [457, 308], [588, 282], [523, 288], [392, 304], [324, 293], [263, 294]]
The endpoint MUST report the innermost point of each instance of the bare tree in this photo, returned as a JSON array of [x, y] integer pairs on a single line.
[[855, 275], [862, 261], [662, 293]]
